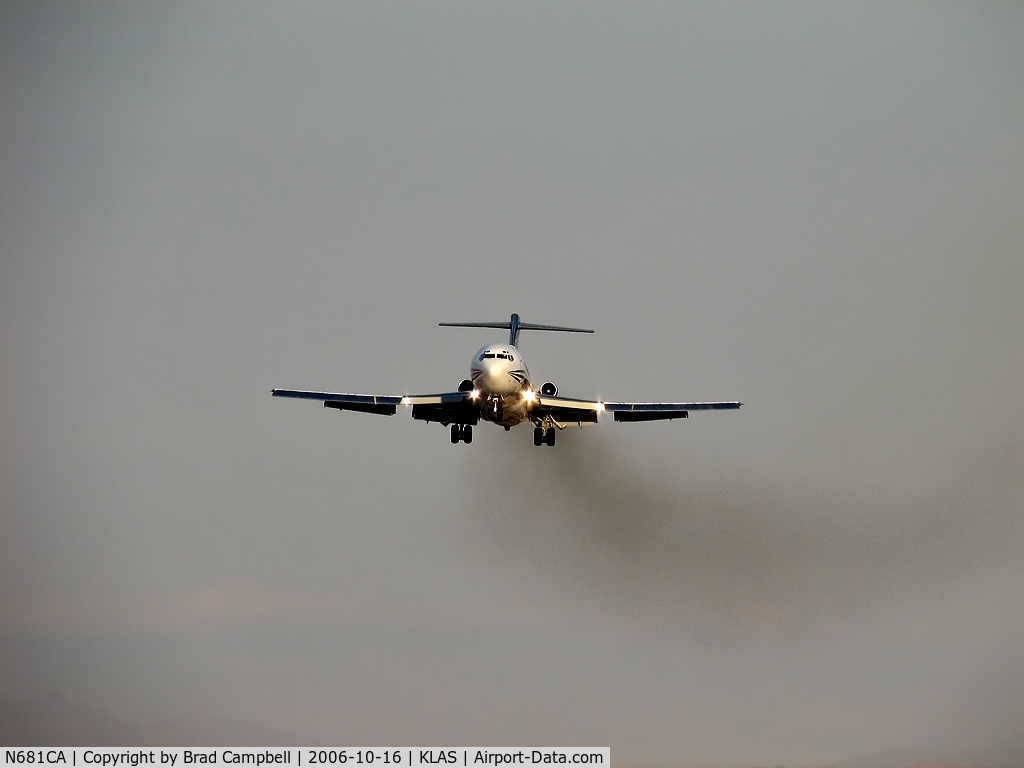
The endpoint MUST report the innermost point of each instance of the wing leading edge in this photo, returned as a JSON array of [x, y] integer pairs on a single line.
[[660, 411], [386, 405], [446, 407], [567, 410], [459, 407]]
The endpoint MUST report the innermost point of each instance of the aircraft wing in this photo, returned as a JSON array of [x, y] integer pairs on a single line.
[[567, 410], [658, 411], [446, 407]]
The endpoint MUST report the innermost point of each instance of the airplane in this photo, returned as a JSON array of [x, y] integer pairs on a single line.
[[501, 391]]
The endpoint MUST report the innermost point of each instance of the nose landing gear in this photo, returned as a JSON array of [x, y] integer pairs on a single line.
[[495, 409], [463, 432]]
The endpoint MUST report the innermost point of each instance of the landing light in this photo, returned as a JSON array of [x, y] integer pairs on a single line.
[[529, 396], [600, 406], [474, 394], [406, 401]]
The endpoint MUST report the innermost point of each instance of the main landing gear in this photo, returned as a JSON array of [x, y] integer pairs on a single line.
[[463, 432], [539, 437]]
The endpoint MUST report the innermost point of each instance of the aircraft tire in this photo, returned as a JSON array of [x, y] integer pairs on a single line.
[[467, 434], [550, 439], [456, 434], [538, 436]]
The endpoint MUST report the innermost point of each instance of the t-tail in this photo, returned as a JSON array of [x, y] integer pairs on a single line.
[[514, 326]]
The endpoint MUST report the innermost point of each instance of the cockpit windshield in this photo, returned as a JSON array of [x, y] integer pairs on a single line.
[[498, 355]]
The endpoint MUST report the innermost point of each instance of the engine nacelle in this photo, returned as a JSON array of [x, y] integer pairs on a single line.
[[466, 386], [548, 389]]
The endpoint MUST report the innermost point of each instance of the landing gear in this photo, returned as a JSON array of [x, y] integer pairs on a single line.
[[463, 432], [540, 437]]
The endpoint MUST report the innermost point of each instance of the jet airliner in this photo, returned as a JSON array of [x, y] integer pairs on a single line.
[[500, 390]]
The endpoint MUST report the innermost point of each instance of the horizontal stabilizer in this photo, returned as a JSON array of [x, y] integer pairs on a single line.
[[514, 326], [495, 324], [539, 327], [522, 327]]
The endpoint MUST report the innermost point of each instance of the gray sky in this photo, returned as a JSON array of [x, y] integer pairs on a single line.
[[816, 209]]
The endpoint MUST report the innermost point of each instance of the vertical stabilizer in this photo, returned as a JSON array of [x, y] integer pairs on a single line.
[[513, 330]]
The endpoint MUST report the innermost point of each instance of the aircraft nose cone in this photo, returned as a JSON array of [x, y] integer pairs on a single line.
[[495, 379]]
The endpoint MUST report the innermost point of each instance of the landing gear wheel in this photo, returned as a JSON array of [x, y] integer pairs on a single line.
[[467, 434], [538, 436], [550, 439], [456, 434]]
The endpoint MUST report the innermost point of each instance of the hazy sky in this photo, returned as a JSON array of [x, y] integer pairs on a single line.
[[815, 208]]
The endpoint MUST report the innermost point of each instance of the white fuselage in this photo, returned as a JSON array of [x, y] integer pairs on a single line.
[[502, 380]]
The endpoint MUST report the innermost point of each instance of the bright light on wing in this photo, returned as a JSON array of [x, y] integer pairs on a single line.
[[529, 396]]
